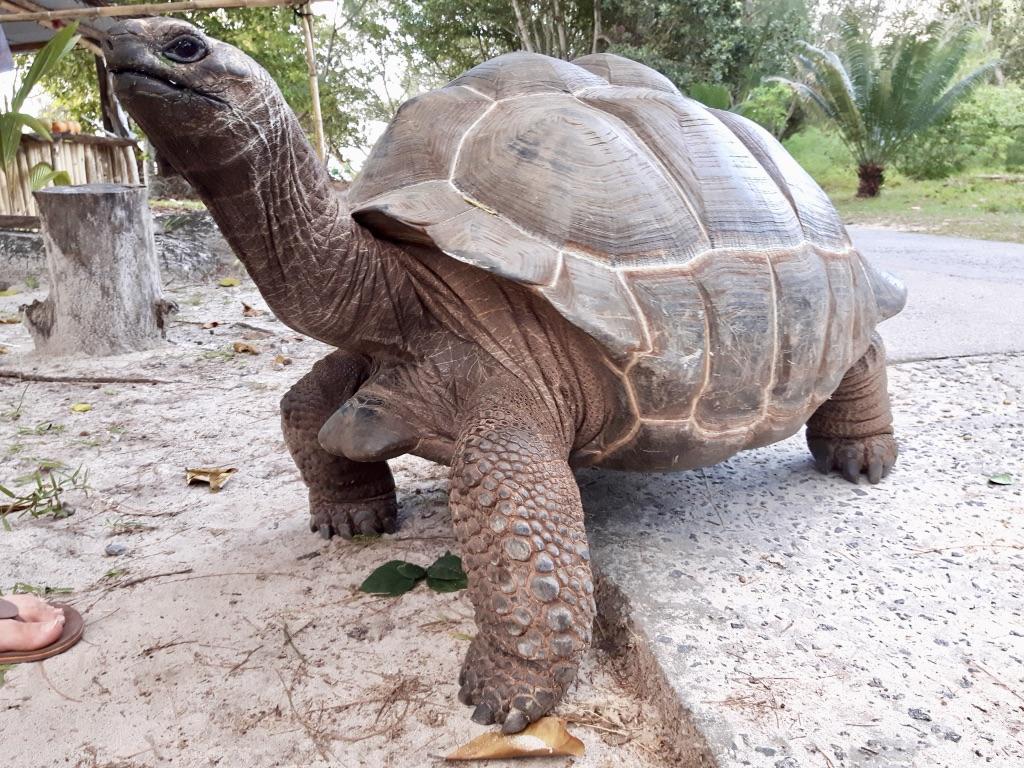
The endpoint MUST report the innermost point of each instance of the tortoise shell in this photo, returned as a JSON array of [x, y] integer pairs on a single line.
[[708, 264]]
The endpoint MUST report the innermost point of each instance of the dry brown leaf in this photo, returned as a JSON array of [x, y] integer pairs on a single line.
[[249, 311], [10, 319], [209, 325], [241, 347], [547, 737], [3, 350], [282, 360], [215, 477]]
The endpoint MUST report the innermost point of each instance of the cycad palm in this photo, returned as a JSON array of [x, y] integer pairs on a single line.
[[880, 100]]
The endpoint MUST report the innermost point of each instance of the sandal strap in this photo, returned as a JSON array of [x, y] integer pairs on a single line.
[[8, 610]]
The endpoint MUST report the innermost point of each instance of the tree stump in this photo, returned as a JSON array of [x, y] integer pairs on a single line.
[[105, 296]]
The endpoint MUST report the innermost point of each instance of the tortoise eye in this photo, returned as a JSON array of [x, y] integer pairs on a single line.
[[186, 49]]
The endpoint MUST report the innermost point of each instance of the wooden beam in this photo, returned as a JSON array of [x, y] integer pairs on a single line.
[[21, 7], [142, 9], [314, 81]]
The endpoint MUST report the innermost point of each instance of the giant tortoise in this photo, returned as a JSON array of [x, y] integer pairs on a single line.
[[543, 265]]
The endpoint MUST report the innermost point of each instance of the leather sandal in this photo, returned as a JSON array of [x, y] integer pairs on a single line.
[[74, 626]]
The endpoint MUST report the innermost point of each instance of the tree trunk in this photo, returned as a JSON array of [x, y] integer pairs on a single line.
[[105, 296], [871, 179]]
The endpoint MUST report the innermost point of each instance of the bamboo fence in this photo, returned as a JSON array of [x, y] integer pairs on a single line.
[[87, 160]]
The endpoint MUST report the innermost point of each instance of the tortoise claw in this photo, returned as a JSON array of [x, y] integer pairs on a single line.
[[515, 721], [483, 714], [873, 456]]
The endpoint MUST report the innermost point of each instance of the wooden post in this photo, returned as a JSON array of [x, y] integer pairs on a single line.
[[105, 296], [306, 14]]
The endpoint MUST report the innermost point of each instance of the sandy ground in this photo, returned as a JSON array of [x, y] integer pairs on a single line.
[[227, 634]]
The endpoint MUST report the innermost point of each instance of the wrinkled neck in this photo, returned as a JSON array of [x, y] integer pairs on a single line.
[[274, 202], [272, 199]]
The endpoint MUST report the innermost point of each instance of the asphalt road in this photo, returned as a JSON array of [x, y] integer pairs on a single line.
[[966, 297]]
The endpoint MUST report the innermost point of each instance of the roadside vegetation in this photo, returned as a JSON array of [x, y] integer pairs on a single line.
[[930, 113]]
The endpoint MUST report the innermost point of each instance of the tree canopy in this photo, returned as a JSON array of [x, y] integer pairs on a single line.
[[372, 54]]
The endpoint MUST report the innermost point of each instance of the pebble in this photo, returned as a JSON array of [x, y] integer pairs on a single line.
[[115, 549]]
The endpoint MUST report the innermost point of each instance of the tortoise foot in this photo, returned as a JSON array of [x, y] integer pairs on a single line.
[[366, 517], [508, 689], [873, 456]]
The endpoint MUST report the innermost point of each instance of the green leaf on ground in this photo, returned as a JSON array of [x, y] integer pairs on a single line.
[[447, 585], [1003, 478], [4, 669], [389, 579], [446, 574], [229, 282], [411, 571]]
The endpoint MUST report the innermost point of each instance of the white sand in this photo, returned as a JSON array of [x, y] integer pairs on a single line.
[[197, 669]]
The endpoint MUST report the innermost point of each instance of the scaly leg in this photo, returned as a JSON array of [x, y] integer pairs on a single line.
[[518, 517], [345, 497], [852, 430]]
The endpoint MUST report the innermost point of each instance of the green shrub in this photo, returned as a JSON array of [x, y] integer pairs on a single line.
[[1015, 153], [711, 95], [769, 105], [822, 154], [979, 135], [937, 153]]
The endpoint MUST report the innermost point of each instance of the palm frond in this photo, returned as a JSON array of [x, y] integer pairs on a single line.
[[878, 100]]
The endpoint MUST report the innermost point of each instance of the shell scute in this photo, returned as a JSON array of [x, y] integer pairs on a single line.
[[521, 73], [668, 379], [421, 143], [618, 70], [739, 297], [573, 174]]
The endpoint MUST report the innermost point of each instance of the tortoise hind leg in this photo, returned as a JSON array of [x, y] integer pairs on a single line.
[[852, 430]]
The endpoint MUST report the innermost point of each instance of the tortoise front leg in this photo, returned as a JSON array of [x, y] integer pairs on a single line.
[[345, 497], [852, 430], [518, 517]]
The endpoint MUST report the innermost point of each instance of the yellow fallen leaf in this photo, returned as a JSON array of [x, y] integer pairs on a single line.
[[9, 319], [215, 477], [282, 360], [241, 347], [81, 407], [3, 350], [249, 311], [10, 292], [545, 738], [229, 282]]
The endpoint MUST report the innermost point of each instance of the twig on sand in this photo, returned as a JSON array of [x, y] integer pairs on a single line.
[[162, 646], [29, 376], [316, 738], [821, 752], [58, 691], [140, 579], [288, 637], [711, 498], [243, 662]]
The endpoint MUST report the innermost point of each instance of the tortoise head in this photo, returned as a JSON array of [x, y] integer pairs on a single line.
[[203, 103]]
